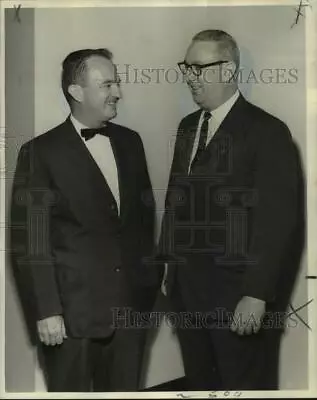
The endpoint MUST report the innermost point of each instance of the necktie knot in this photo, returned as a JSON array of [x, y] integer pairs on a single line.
[[207, 116], [89, 133]]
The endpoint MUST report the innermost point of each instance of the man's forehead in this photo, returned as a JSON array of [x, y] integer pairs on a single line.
[[99, 67], [202, 52]]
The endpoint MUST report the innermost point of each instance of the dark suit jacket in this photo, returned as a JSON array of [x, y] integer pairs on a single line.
[[230, 227], [71, 250]]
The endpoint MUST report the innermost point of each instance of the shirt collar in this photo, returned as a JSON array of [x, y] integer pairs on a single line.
[[220, 112], [78, 125]]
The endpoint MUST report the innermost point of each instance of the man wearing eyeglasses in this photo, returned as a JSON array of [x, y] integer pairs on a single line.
[[229, 234], [82, 221]]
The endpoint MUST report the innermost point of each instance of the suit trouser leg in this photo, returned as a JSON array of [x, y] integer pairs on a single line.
[[247, 362], [198, 353], [127, 363], [130, 341], [68, 366], [103, 352], [218, 359], [79, 365], [199, 359]]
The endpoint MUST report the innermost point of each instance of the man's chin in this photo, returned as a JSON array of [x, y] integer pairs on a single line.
[[110, 114], [198, 99]]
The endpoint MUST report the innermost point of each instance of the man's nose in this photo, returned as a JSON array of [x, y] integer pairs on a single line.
[[190, 76], [116, 91]]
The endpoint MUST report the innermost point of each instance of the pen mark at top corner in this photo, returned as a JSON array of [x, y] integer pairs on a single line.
[[17, 16], [299, 10]]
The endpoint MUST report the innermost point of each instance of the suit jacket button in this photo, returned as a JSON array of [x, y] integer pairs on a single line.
[[117, 269]]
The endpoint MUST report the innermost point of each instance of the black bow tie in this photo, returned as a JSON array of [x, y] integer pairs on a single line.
[[89, 133]]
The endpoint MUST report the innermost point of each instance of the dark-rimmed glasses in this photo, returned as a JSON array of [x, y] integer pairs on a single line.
[[196, 69]]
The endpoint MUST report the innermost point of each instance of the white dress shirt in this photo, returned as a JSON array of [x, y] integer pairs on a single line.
[[217, 116], [100, 148]]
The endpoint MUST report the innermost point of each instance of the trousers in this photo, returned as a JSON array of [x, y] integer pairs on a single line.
[[98, 365], [215, 358]]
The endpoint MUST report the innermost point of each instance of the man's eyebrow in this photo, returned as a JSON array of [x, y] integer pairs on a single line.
[[197, 63], [103, 81], [109, 81]]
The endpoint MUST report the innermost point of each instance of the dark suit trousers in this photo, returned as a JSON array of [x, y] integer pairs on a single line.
[[99, 365], [215, 358]]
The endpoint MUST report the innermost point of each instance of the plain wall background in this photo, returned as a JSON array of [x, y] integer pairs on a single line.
[[158, 38], [20, 358]]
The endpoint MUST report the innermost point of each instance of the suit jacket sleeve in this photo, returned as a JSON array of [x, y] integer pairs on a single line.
[[32, 200], [147, 208], [165, 249], [275, 212]]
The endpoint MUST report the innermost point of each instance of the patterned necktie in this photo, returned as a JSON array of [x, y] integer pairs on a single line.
[[89, 133], [202, 140]]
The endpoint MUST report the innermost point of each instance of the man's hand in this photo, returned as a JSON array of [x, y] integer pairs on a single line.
[[52, 330], [248, 316]]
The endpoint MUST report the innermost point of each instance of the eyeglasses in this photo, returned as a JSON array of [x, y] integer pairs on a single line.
[[196, 69]]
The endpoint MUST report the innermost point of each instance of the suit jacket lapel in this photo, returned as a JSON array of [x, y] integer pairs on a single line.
[[221, 143], [233, 120], [185, 143], [82, 179], [121, 157]]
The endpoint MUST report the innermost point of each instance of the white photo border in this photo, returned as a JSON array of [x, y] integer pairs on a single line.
[[310, 20]]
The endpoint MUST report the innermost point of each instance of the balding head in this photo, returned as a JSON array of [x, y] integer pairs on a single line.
[[227, 46]]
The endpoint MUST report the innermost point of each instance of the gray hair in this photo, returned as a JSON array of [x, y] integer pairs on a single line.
[[227, 45]]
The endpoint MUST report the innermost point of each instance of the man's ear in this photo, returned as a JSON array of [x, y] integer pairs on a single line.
[[228, 71], [76, 91]]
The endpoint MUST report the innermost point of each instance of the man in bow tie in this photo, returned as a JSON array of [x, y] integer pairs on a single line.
[[232, 232], [83, 215]]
